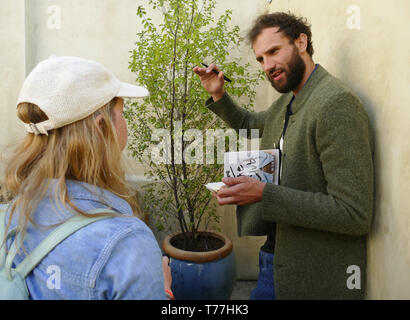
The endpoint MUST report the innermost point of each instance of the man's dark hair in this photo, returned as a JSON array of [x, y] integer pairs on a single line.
[[291, 25]]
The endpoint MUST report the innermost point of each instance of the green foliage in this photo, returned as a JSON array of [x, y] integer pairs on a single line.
[[162, 60]]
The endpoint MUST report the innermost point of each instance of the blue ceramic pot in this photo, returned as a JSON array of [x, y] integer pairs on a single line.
[[202, 275]]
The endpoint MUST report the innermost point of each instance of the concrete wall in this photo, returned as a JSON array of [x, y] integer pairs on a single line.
[[372, 56], [373, 59], [12, 66]]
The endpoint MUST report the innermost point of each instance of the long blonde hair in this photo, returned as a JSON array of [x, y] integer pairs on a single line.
[[83, 151]]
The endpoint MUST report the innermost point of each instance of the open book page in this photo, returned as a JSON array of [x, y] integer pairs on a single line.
[[258, 164]]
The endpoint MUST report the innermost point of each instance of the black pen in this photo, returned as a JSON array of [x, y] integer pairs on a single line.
[[217, 72]]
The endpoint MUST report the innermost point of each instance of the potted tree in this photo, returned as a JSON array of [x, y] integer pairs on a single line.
[[167, 133]]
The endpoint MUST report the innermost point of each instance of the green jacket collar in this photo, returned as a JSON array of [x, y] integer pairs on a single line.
[[307, 90]]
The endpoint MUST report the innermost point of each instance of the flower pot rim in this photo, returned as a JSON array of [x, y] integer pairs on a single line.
[[207, 256]]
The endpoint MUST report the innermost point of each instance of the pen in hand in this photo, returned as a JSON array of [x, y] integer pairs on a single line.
[[217, 72]]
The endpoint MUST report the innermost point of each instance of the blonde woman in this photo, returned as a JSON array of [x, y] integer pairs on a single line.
[[69, 164]]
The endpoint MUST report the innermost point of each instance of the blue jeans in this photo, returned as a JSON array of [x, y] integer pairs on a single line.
[[265, 289]]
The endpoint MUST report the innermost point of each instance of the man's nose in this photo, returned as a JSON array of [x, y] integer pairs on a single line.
[[269, 64]]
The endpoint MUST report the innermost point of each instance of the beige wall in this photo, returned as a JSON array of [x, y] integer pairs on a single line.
[[373, 60], [12, 66]]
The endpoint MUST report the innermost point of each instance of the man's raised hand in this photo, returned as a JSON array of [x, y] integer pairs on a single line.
[[213, 83]]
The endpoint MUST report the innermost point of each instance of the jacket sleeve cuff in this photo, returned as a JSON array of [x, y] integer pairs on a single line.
[[223, 107], [274, 202], [210, 103]]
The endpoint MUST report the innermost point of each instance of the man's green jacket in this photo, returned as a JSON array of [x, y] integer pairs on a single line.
[[322, 210]]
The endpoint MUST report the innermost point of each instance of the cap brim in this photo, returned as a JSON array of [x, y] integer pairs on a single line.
[[130, 91]]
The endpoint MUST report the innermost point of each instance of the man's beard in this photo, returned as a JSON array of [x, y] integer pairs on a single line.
[[297, 69]]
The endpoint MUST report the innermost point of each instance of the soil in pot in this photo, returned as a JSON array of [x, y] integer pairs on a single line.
[[203, 242]]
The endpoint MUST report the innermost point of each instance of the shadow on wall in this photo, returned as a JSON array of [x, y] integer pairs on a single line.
[[352, 55], [357, 65], [347, 58]]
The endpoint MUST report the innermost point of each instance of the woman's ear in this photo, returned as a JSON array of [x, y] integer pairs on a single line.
[[99, 121]]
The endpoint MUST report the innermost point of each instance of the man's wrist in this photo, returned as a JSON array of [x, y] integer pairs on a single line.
[[218, 96]]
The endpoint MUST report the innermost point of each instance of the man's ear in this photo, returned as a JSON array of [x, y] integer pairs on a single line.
[[302, 42]]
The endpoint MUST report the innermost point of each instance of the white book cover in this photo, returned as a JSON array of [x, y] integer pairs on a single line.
[[258, 164]]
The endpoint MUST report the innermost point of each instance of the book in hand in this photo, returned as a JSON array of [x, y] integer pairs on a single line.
[[262, 165]]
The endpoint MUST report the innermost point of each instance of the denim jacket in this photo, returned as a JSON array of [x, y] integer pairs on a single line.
[[113, 258]]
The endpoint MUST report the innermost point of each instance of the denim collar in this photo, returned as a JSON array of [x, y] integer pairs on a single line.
[[77, 190]]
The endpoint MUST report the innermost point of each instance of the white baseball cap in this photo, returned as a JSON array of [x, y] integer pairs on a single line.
[[68, 89]]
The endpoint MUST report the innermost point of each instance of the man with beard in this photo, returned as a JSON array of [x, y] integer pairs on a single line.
[[316, 220]]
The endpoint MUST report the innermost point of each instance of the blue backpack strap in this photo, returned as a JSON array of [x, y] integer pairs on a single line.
[[49, 243]]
